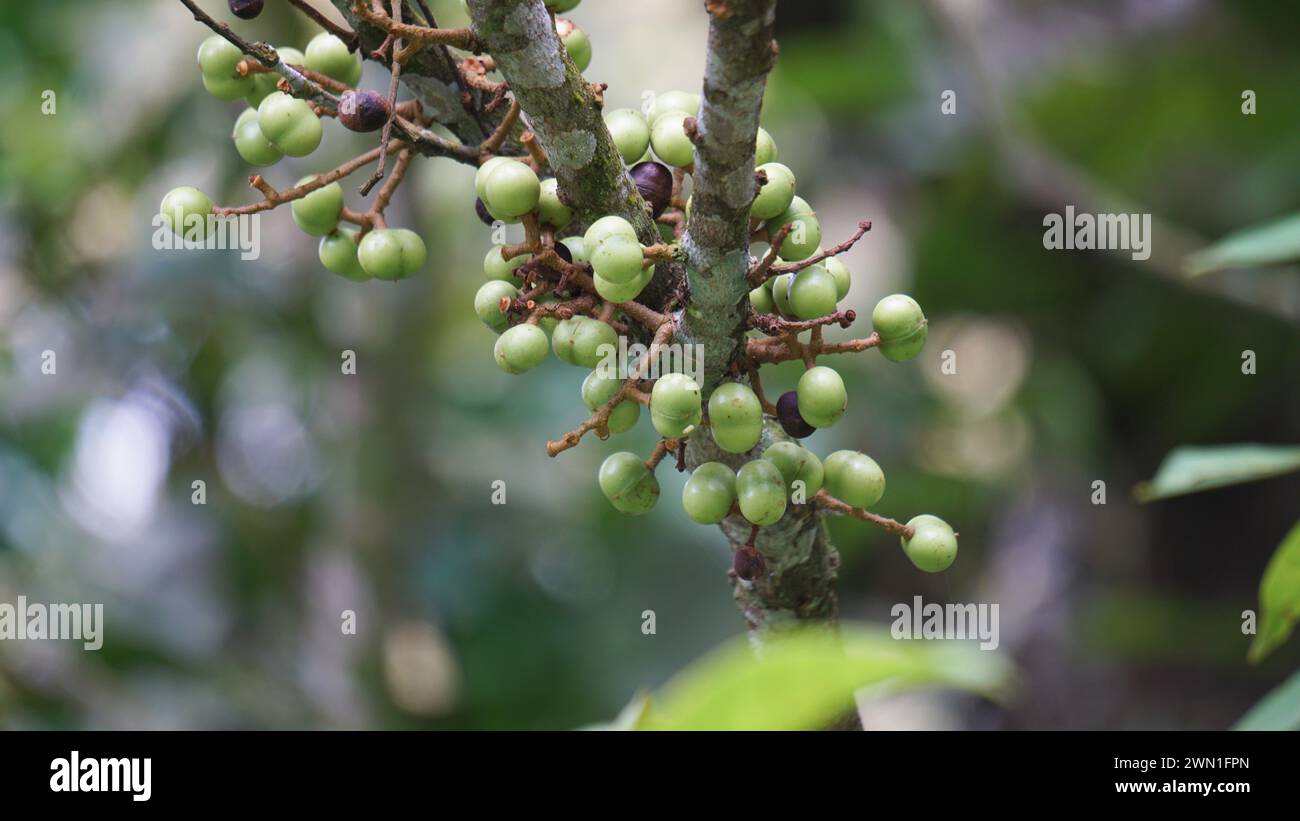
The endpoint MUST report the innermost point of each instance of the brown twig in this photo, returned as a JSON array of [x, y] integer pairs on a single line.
[[830, 503], [662, 448], [346, 35], [760, 272], [493, 143], [462, 38], [773, 325], [394, 75], [791, 267], [275, 198]]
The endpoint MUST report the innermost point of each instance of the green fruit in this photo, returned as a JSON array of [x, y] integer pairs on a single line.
[[264, 82], [547, 323], [675, 407], [597, 389], [185, 212], [776, 194], [671, 101], [512, 189], [760, 299], [933, 546], [628, 484], [338, 253], [289, 123], [668, 137], [251, 144], [822, 396], [487, 303], [764, 148], [797, 464], [735, 417], [901, 325], [625, 291], [520, 348], [218, 58], [604, 228], [617, 260], [562, 5], [577, 248], [330, 56], [630, 132], [781, 293], [709, 493], [813, 292], [484, 171], [391, 253], [576, 42], [805, 234], [590, 336], [495, 265], [854, 478], [550, 209], [318, 212], [761, 492], [840, 272]]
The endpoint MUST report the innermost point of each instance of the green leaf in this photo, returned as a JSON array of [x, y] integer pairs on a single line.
[[1279, 597], [1267, 244], [1279, 710], [1189, 469], [631, 717], [805, 680]]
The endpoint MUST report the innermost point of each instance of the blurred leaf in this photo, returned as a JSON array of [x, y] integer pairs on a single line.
[[1189, 469], [1279, 710], [806, 680], [631, 717], [1279, 597], [1267, 244]]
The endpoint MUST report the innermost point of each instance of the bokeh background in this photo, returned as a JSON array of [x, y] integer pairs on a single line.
[[372, 492]]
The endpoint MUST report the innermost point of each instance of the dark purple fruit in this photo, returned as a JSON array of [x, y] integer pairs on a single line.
[[787, 411], [655, 182], [748, 563], [364, 110], [481, 210], [563, 252], [246, 9]]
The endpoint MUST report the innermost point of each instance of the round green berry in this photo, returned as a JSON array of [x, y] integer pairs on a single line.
[[512, 189], [289, 123], [764, 148], [630, 131], [805, 232], [822, 396], [854, 478], [901, 325], [781, 293], [776, 194], [668, 137], [622, 291], [520, 348], [577, 248], [840, 272], [318, 212], [576, 42], [761, 492], [628, 484], [330, 56], [813, 292], [598, 388], [593, 342], [735, 417], [933, 546], [338, 253], [760, 299], [487, 303], [218, 58], [604, 228], [675, 407], [797, 464], [264, 82], [391, 253], [617, 260], [496, 266], [562, 5], [551, 210], [671, 101], [709, 493], [251, 144], [185, 211], [562, 340], [484, 171]]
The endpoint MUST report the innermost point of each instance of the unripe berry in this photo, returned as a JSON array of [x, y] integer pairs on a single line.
[[255, 148], [624, 291], [590, 338], [735, 417], [317, 213], [781, 294], [805, 234], [289, 123], [668, 137], [330, 56], [218, 58], [597, 389], [933, 546], [487, 303], [840, 272], [630, 131], [764, 148], [675, 407], [577, 248], [813, 292], [520, 348], [628, 484], [787, 411], [671, 101], [822, 396], [709, 493], [265, 82], [776, 194], [391, 253], [901, 325], [511, 189], [760, 299], [185, 211], [495, 266], [606, 227], [245, 9], [761, 492], [797, 464], [484, 171], [551, 210], [617, 260], [562, 5], [655, 182], [365, 110], [854, 478], [575, 42], [338, 253]]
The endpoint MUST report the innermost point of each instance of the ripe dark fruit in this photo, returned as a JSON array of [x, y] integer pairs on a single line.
[[748, 563], [787, 411], [655, 182], [562, 251], [366, 110], [246, 9], [483, 215]]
